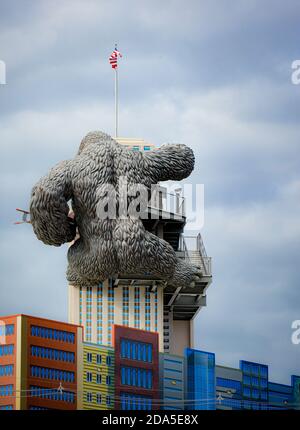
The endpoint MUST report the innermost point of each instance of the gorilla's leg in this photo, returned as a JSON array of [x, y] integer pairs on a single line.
[[159, 258], [90, 265], [185, 274]]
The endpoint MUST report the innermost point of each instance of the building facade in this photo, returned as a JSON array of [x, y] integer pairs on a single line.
[[255, 384], [45, 364], [97, 377], [172, 372], [228, 388], [38, 363], [10, 365], [136, 369], [98, 309], [200, 380]]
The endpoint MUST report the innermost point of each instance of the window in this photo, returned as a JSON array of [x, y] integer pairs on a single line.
[[155, 311], [89, 299], [108, 380], [52, 394], [99, 398], [53, 374], [125, 306], [229, 383], [108, 400], [89, 397], [6, 407], [135, 148], [7, 370], [6, 390], [147, 309], [99, 359], [136, 377], [247, 392], [147, 148], [264, 395], [49, 333], [264, 371], [99, 315], [52, 354], [80, 306], [99, 378], [264, 383], [89, 357], [134, 350], [108, 360], [7, 330], [111, 299], [246, 380], [6, 350], [89, 376], [135, 402]]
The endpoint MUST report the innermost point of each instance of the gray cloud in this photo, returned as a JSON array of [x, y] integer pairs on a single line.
[[214, 75]]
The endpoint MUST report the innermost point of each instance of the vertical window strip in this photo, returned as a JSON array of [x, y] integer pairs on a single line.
[[99, 312], [80, 306], [147, 309], [125, 306], [137, 307], [111, 300], [89, 299]]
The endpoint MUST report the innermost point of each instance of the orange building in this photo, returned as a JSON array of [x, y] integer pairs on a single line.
[[38, 363]]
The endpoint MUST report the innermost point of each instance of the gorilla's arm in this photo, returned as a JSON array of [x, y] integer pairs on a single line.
[[169, 162], [49, 209]]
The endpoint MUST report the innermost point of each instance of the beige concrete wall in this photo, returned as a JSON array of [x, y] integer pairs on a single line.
[[73, 304], [181, 337]]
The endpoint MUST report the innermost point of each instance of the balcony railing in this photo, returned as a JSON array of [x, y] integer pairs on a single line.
[[168, 203], [194, 251]]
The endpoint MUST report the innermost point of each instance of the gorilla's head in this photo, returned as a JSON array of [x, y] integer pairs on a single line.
[[95, 137]]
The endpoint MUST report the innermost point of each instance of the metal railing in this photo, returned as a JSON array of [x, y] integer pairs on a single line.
[[193, 249], [173, 203]]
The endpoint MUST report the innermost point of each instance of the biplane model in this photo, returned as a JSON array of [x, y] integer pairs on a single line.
[[25, 217]]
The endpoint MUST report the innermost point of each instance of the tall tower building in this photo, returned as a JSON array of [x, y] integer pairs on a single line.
[[145, 302]]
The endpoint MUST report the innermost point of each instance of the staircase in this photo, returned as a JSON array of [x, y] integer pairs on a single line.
[[172, 237]]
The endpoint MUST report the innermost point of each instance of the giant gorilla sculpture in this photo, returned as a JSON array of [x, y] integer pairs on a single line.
[[106, 247]]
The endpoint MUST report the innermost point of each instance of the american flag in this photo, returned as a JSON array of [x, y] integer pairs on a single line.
[[113, 59]]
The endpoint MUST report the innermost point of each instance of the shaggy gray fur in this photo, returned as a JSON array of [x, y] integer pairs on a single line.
[[106, 247]]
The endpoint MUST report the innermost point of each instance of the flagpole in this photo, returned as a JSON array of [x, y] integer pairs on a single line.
[[116, 97], [116, 102]]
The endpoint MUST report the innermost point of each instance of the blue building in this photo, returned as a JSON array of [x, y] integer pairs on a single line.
[[200, 380], [254, 385], [228, 388], [283, 396], [172, 381], [209, 386]]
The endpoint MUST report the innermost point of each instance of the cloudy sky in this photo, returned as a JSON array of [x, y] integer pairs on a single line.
[[214, 75]]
